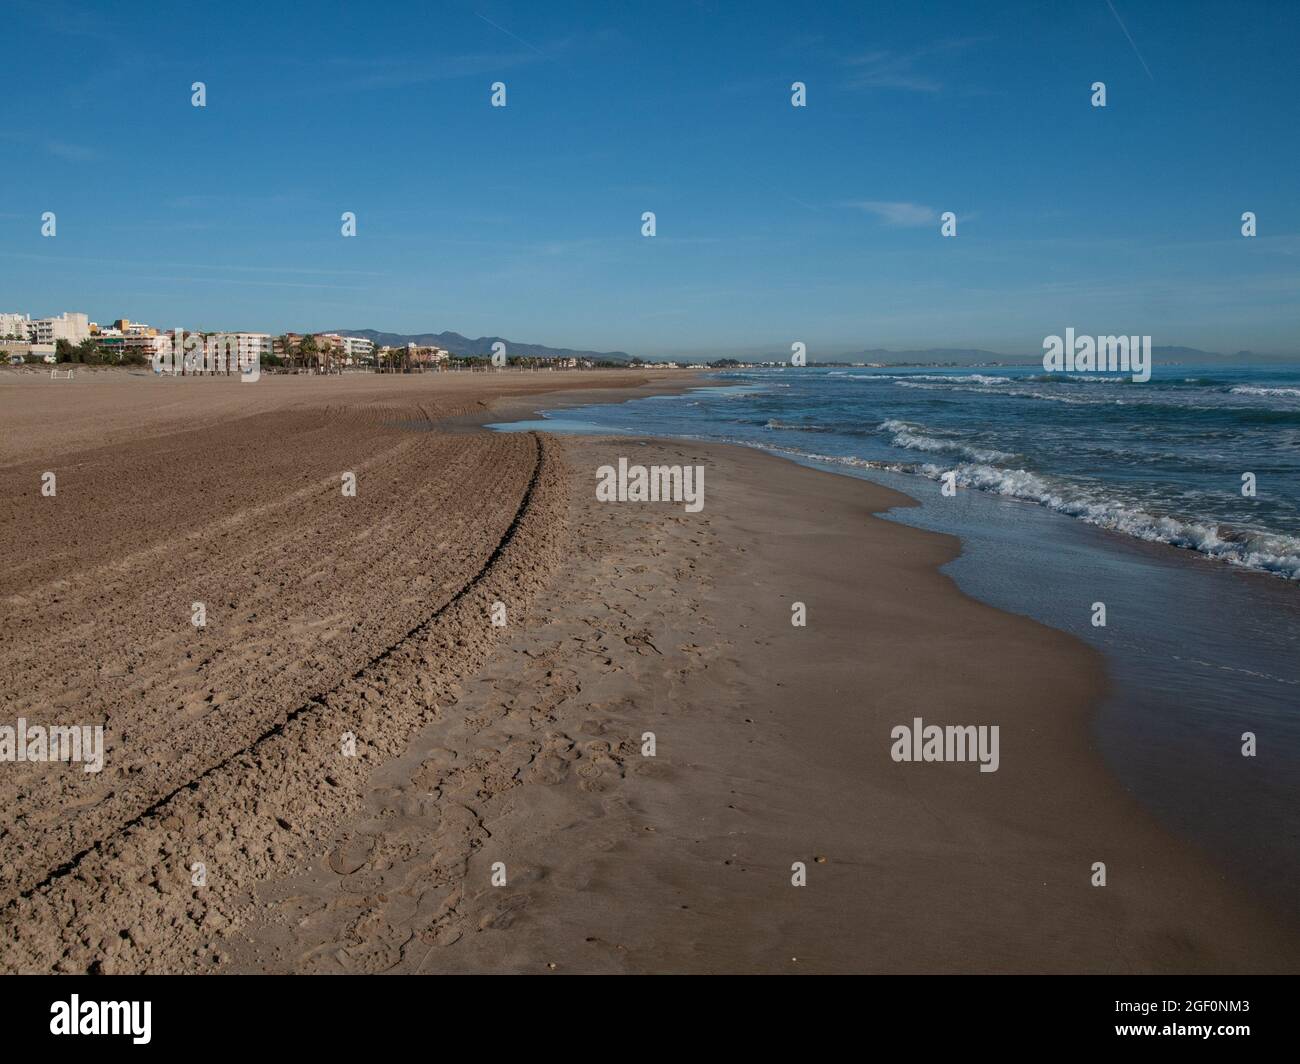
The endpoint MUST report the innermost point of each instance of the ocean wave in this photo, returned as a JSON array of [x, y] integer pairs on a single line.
[[1080, 378], [955, 379], [1077, 379], [1263, 551], [774, 424], [914, 438], [1250, 389], [1240, 411], [1014, 393]]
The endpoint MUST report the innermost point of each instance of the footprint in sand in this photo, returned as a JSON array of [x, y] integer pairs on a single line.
[[350, 856]]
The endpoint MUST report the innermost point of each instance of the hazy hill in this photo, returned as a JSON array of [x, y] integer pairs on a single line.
[[970, 355], [931, 354], [463, 345]]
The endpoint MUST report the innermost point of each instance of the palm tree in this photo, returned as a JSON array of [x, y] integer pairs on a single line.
[[288, 348], [308, 348]]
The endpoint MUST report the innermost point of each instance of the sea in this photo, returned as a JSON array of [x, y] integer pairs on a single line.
[[1175, 502]]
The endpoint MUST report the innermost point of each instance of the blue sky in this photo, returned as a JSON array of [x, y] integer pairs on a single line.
[[774, 223]]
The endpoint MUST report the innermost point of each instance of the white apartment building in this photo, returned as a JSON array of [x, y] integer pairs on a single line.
[[252, 348], [352, 348], [357, 348], [16, 326], [67, 326]]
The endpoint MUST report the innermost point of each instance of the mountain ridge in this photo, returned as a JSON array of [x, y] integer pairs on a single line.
[[463, 346]]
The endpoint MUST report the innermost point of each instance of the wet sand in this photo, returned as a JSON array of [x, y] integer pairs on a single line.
[[516, 752], [772, 746]]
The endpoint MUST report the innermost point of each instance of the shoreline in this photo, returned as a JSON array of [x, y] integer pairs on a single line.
[[618, 901], [1206, 799], [523, 745]]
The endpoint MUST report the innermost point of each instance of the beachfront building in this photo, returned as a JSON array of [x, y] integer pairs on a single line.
[[250, 349], [329, 352], [22, 351], [288, 348], [67, 326], [150, 346], [126, 327], [15, 327], [284, 346], [114, 347], [129, 341], [357, 349], [316, 353], [419, 357]]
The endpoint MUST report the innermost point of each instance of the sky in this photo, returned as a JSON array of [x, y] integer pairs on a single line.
[[774, 224]]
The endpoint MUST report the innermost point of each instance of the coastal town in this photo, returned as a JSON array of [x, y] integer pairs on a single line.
[[71, 337]]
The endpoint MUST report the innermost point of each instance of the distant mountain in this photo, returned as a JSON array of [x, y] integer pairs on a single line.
[[929, 355], [1195, 354], [463, 346], [969, 355]]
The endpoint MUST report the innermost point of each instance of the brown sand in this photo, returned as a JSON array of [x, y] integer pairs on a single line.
[[325, 614], [372, 617], [772, 747]]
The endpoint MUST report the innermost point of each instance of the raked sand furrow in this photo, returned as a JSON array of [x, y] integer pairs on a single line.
[[224, 742], [263, 803]]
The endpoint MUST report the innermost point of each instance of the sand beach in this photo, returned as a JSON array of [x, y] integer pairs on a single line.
[[410, 733]]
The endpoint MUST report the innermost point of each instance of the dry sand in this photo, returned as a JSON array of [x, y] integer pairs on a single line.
[[523, 745]]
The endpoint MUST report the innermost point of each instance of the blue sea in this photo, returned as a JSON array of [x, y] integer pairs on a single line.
[[1077, 489], [1160, 461]]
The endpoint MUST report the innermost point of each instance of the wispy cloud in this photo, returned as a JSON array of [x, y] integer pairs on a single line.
[[886, 69], [897, 213], [73, 153], [284, 269], [70, 20], [396, 74]]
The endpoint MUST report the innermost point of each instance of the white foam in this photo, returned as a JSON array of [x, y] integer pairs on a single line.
[[1264, 551], [1285, 393], [912, 437]]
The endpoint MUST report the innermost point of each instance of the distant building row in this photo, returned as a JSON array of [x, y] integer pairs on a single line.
[[124, 340], [22, 336], [347, 349]]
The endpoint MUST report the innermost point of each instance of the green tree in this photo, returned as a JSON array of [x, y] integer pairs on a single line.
[[288, 348], [88, 352], [308, 349]]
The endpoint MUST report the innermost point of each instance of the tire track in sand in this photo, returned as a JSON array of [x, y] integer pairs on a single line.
[[272, 795], [313, 703]]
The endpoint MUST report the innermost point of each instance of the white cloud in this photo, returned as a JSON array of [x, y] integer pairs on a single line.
[[903, 215]]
